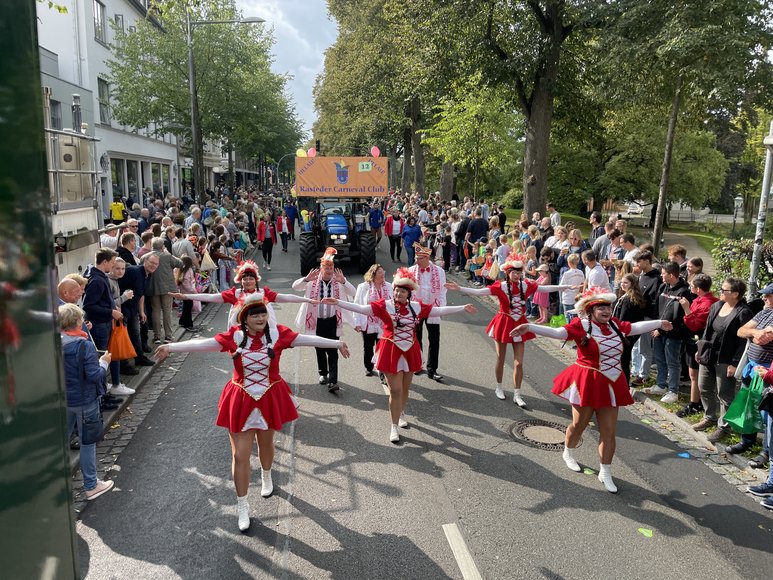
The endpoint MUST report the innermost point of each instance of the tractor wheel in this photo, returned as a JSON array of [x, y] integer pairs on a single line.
[[308, 248], [367, 251]]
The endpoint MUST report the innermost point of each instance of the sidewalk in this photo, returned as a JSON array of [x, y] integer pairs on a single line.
[[694, 249]]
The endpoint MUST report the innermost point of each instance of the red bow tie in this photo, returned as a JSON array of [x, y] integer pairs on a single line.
[[425, 269]]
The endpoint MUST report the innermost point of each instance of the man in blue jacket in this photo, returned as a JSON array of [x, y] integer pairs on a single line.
[[292, 215], [376, 218], [135, 278], [101, 310]]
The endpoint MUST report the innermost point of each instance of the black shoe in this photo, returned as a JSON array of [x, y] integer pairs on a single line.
[[193, 328], [156, 341], [690, 409], [111, 399], [108, 406], [737, 448], [419, 372], [382, 378], [759, 462], [368, 373], [75, 443], [146, 349], [129, 371], [332, 387], [434, 376], [143, 361]]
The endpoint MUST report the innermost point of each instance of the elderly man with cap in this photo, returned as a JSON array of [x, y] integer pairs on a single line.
[[325, 320], [595, 383], [432, 290]]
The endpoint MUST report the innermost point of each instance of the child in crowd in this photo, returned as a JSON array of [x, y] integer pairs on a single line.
[[571, 277], [502, 252], [542, 299], [531, 274]]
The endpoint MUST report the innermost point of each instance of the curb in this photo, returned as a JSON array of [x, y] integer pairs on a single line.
[[136, 383]]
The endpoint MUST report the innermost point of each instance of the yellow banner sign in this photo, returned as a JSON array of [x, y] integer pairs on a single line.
[[341, 176]]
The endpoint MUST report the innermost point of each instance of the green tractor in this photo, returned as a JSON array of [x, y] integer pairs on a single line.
[[341, 223]]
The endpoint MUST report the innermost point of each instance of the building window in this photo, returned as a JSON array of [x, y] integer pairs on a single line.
[[100, 25], [56, 115], [117, 177], [132, 179], [104, 101]]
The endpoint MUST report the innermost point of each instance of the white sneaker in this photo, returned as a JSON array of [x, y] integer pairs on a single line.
[[605, 477], [268, 267], [243, 509], [670, 398], [655, 391], [402, 421], [267, 485], [394, 435], [518, 400], [101, 487], [121, 390], [570, 461], [500, 393], [322, 379]]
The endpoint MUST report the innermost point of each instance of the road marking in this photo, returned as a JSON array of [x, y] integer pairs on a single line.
[[461, 552]]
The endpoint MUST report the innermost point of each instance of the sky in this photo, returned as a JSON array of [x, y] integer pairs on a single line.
[[302, 32]]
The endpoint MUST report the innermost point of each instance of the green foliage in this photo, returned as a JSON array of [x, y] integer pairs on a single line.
[[61, 9], [240, 99], [733, 258], [513, 198]]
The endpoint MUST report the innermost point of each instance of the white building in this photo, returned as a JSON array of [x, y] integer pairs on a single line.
[[132, 162]]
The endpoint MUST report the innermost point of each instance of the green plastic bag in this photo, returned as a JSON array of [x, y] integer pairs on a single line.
[[744, 415], [558, 321]]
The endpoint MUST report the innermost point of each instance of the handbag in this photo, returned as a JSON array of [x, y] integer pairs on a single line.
[[704, 352], [493, 272], [207, 263], [743, 415], [120, 345]]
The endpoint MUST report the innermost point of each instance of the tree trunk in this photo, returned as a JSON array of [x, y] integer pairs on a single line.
[[407, 160], [418, 150], [446, 181], [657, 233], [392, 153]]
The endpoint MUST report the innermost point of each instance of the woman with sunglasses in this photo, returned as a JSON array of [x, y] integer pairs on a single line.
[[398, 353], [257, 401], [512, 294], [595, 383]]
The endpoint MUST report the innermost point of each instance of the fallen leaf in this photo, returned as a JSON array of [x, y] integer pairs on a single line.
[[645, 532], [588, 471], [115, 425], [646, 421]]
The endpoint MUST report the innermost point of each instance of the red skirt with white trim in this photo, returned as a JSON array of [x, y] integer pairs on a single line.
[[500, 326], [390, 359], [277, 406], [587, 387]]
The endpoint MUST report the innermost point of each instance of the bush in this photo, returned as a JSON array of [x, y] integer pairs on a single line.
[[513, 198], [734, 257]]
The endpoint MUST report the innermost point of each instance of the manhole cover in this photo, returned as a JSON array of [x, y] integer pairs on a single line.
[[541, 434]]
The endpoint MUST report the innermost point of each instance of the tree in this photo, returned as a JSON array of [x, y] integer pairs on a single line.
[[149, 77]]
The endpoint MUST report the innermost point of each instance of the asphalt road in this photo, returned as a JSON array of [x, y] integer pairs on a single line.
[[349, 504]]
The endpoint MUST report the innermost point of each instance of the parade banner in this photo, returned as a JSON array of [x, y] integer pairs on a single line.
[[341, 176]]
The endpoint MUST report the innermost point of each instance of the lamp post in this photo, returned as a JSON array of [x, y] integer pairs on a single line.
[[196, 143], [737, 204], [277, 165], [762, 212]]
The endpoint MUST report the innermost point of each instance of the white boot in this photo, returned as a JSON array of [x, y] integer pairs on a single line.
[[518, 400], [244, 513], [267, 486], [499, 392], [569, 459], [605, 477], [394, 435]]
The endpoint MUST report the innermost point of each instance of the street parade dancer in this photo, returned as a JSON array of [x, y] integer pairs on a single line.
[[325, 320], [248, 275], [595, 383], [512, 294], [398, 355], [373, 289], [257, 401], [431, 279]]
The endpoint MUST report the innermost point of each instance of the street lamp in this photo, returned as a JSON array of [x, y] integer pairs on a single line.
[[737, 204], [277, 165], [198, 161]]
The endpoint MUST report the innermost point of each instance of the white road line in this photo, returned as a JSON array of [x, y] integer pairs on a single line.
[[461, 552]]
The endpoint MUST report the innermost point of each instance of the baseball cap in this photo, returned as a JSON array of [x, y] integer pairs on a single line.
[[767, 290]]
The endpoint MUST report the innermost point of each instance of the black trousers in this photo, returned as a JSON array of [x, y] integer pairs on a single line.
[[283, 235], [268, 246], [368, 343], [327, 358], [395, 247], [186, 318], [433, 333]]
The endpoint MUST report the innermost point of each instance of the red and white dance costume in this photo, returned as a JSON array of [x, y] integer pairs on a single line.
[[398, 349], [512, 307], [256, 397]]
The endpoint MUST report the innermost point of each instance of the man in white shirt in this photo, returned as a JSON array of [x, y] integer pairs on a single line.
[[555, 217], [595, 275], [630, 247], [432, 290], [109, 239]]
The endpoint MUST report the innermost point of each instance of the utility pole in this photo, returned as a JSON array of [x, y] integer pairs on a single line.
[[762, 214]]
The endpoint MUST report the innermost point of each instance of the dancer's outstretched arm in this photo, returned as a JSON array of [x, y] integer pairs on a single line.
[[195, 345], [446, 310], [649, 326], [558, 287], [540, 330], [351, 306], [320, 342], [218, 298], [293, 299], [469, 291]]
